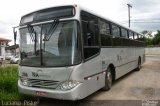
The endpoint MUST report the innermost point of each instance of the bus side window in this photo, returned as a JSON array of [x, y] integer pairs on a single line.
[[135, 36], [84, 28], [90, 34], [116, 40], [124, 33], [105, 33], [131, 36], [115, 31], [104, 27], [141, 38]]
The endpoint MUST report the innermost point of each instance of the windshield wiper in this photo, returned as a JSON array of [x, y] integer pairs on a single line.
[[49, 33], [31, 32], [33, 36]]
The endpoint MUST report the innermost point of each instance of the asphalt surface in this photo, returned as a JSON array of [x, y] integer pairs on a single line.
[[132, 89]]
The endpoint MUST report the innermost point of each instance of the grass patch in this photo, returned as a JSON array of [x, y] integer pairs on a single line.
[[8, 84]]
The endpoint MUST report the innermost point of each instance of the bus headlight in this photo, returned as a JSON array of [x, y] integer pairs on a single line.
[[68, 85], [25, 81]]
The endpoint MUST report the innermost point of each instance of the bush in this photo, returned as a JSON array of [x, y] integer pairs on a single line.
[[8, 84], [8, 79], [150, 45]]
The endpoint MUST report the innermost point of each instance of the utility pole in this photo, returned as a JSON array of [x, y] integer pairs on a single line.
[[129, 21]]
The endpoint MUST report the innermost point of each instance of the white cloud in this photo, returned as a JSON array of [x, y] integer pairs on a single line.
[[12, 10]]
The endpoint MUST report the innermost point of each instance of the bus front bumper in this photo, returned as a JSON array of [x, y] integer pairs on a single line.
[[73, 94]]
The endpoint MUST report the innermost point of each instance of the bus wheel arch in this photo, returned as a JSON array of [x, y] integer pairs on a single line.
[[139, 63], [109, 77], [113, 71]]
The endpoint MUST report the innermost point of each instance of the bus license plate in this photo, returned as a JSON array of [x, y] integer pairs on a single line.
[[40, 93]]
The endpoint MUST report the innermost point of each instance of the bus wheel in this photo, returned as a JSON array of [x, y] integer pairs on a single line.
[[139, 64], [108, 80]]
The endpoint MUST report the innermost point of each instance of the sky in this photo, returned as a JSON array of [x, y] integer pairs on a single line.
[[145, 14]]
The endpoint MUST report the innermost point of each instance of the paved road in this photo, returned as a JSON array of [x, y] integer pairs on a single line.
[[136, 85]]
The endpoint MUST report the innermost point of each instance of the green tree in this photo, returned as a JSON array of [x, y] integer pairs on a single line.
[[156, 39], [148, 41], [144, 32], [147, 37]]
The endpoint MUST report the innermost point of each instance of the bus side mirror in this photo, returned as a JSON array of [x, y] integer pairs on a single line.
[[91, 26], [15, 35]]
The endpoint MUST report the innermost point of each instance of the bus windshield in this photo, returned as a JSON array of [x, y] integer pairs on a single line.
[[49, 45]]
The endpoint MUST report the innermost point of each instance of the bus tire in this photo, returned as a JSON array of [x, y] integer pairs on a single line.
[[139, 64], [108, 80]]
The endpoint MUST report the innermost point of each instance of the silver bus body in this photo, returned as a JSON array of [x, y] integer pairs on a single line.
[[75, 82]]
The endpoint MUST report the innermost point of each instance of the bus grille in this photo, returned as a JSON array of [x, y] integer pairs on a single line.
[[43, 83]]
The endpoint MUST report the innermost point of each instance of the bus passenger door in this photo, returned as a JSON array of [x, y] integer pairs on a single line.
[[91, 50]]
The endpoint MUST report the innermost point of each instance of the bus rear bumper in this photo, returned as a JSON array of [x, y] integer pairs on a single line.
[[73, 94]]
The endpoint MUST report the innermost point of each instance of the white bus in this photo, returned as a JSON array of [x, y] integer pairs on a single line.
[[69, 53]]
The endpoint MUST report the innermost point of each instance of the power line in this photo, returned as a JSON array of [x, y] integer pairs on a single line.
[[142, 22], [145, 19], [145, 22]]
